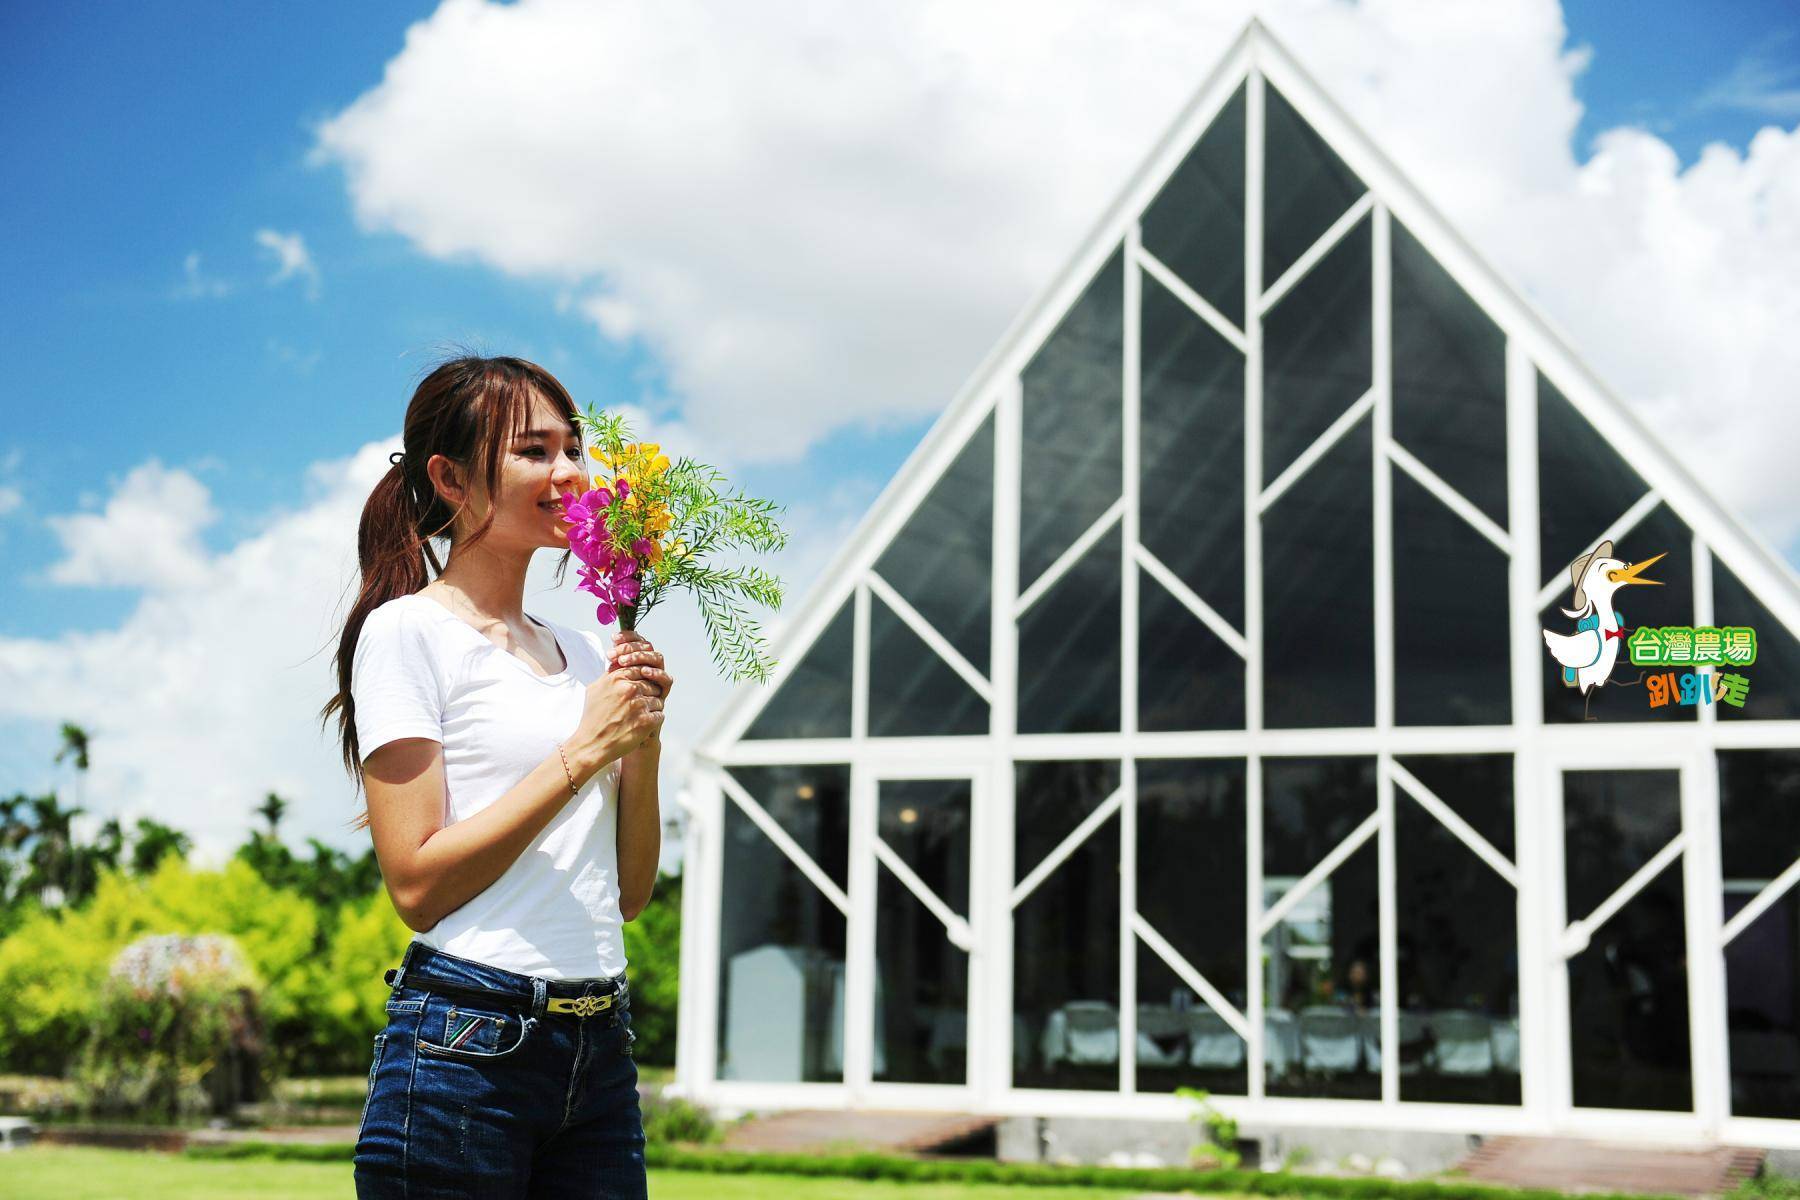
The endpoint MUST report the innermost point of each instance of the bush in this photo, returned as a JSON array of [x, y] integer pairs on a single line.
[[673, 1120], [653, 968], [176, 1032]]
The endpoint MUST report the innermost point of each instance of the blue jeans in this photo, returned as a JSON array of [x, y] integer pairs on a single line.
[[494, 1096]]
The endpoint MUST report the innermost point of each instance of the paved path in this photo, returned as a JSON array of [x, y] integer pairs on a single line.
[[1580, 1166]]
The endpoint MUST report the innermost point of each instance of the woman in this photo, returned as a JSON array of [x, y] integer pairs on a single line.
[[510, 766]]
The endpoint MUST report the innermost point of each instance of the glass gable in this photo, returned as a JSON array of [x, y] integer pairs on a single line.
[[1449, 379], [1583, 483], [1774, 693], [1318, 352], [941, 561], [814, 702], [1452, 662], [912, 691], [1072, 424], [1191, 452], [1069, 658], [1319, 593], [1306, 186], [1195, 226]]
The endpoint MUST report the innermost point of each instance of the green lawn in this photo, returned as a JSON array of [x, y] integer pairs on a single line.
[[72, 1173]]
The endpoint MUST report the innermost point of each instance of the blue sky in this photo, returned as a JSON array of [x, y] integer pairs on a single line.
[[141, 134], [149, 145]]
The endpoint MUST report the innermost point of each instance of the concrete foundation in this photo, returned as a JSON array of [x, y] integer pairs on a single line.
[[1388, 1152]]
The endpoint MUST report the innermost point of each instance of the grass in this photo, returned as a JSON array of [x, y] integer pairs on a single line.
[[80, 1173]]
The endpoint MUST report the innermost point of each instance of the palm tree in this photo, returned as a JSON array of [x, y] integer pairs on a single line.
[[271, 810], [153, 842], [52, 857]]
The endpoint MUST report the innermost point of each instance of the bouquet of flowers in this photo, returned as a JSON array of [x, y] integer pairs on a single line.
[[647, 526]]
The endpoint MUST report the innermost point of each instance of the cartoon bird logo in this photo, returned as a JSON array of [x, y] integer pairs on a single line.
[[1587, 656]]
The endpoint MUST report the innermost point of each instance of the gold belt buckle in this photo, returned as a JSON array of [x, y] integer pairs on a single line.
[[581, 1006]]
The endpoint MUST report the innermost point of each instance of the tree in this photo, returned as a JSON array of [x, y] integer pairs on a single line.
[[272, 809], [154, 842], [51, 861]]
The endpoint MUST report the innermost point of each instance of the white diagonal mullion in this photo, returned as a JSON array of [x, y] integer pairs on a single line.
[[1067, 847], [1447, 817], [955, 927], [1191, 602], [1615, 531], [1575, 938], [1316, 251], [932, 637], [1191, 298], [1432, 483], [787, 845], [1185, 971], [1760, 903], [1277, 912], [1068, 557], [1316, 451]]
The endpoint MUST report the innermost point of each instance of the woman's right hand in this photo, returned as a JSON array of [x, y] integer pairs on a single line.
[[621, 711]]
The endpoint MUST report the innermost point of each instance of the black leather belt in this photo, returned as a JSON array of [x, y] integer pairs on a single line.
[[586, 1005]]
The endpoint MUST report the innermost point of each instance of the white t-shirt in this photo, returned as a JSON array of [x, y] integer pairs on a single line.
[[422, 671]]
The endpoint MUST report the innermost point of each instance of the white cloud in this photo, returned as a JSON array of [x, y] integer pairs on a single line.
[[1760, 84], [292, 260], [147, 536], [10, 498], [825, 228], [206, 696], [196, 284]]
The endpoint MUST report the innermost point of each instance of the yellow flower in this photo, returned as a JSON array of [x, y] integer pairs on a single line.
[[595, 453]]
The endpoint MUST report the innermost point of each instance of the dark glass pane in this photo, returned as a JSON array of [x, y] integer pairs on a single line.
[[1759, 793], [1187, 677], [1072, 424], [1180, 1041], [1628, 1011], [1449, 379], [1762, 1002], [1583, 483], [814, 701], [1309, 806], [1066, 937], [1452, 664], [1319, 593], [941, 561], [1191, 495], [1196, 223], [1059, 796], [1671, 602], [1457, 941], [1322, 989], [1613, 823], [1317, 352], [811, 804], [1305, 186], [1774, 693], [912, 691], [781, 942], [922, 979], [1069, 655], [1190, 888], [925, 822], [1476, 787]]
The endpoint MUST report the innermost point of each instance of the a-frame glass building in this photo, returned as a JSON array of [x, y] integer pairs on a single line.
[[1183, 712]]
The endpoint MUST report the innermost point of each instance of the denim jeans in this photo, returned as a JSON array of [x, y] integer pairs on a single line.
[[499, 1098]]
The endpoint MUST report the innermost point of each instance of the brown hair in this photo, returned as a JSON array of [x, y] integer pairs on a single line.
[[467, 409]]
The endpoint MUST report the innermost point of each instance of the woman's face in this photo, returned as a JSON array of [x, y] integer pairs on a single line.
[[537, 468]]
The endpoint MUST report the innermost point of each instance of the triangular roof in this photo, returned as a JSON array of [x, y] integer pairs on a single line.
[[1257, 54]]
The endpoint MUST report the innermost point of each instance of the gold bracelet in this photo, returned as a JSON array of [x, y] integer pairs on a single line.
[[573, 790]]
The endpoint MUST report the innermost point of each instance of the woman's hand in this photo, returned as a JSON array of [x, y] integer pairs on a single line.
[[633, 654], [621, 713], [635, 658]]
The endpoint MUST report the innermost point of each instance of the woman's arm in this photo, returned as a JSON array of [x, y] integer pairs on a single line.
[[640, 826], [640, 807]]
